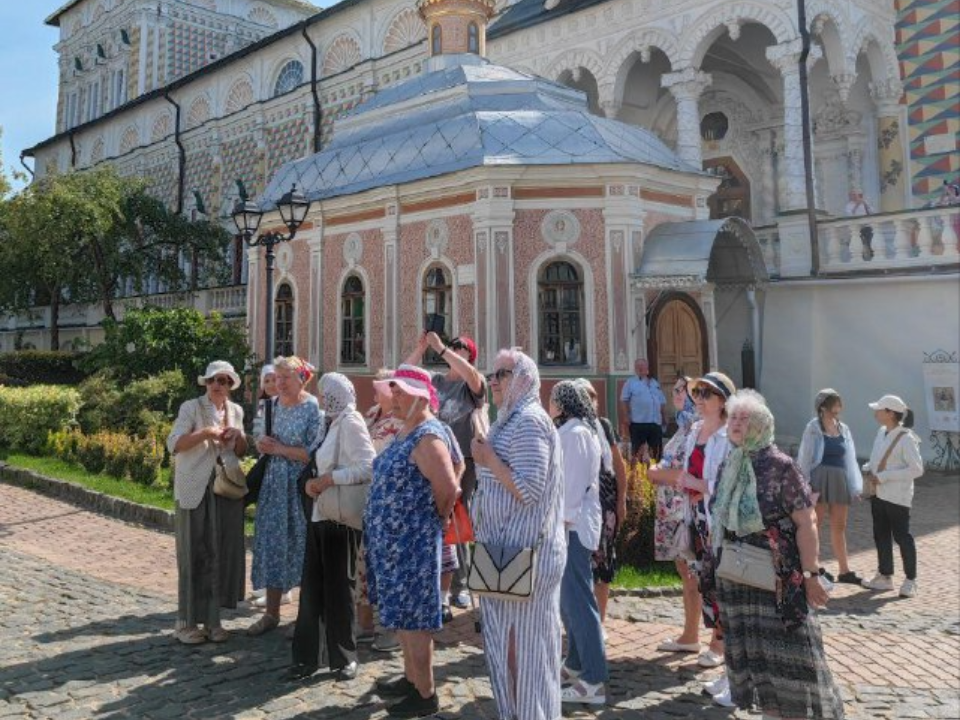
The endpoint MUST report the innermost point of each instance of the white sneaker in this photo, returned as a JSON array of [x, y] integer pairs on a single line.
[[709, 659], [261, 602], [879, 582], [723, 699], [717, 686], [908, 589], [584, 693]]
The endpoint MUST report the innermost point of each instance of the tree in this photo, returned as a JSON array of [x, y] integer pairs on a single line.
[[79, 237], [152, 340]]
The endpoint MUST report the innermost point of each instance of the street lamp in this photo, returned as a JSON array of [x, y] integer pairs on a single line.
[[293, 207]]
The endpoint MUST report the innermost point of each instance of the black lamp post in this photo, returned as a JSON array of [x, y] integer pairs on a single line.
[[293, 208]]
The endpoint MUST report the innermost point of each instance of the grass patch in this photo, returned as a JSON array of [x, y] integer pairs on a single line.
[[659, 575], [157, 497], [108, 485]]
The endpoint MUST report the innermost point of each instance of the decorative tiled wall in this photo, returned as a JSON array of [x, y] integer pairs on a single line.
[[928, 43]]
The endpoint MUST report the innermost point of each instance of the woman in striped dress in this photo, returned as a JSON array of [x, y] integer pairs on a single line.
[[519, 502]]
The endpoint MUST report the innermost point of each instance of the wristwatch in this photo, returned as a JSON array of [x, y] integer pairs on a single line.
[[807, 574]]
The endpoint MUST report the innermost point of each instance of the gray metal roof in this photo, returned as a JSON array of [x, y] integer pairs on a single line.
[[467, 114], [723, 252]]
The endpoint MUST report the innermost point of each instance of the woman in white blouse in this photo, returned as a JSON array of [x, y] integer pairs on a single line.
[[585, 668], [325, 626]]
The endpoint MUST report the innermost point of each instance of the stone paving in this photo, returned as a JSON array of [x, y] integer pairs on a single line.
[[87, 605]]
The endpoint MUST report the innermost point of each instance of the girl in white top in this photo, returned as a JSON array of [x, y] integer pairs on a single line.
[[894, 464]]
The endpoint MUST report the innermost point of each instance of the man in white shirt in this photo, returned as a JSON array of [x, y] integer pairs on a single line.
[[643, 411]]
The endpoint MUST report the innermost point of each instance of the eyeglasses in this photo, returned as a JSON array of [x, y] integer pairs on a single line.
[[458, 345], [703, 393], [679, 390], [220, 380], [499, 375]]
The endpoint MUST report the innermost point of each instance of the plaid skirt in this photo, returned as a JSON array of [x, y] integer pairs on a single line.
[[783, 672]]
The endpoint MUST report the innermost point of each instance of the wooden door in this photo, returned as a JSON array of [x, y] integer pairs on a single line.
[[679, 342]]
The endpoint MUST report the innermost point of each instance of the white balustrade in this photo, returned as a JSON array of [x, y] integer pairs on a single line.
[[891, 241]]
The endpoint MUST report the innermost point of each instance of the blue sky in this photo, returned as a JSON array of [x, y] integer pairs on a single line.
[[28, 76]]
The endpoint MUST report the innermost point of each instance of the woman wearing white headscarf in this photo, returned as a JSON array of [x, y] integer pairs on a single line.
[[519, 502], [325, 632]]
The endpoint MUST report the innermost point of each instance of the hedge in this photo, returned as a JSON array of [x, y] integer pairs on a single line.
[[41, 367], [115, 454], [28, 415]]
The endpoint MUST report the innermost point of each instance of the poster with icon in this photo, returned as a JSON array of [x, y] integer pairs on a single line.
[[941, 383]]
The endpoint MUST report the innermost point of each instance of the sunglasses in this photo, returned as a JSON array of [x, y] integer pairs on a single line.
[[499, 375], [703, 393], [679, 390], [220, 380], [458, 345]]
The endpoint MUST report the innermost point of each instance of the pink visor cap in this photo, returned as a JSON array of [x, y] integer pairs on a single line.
[[413, 381]]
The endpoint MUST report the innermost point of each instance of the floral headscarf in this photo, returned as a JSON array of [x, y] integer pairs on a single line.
[[524, 386], [301, 367], [338, 394], [736, 507], [572, 400]]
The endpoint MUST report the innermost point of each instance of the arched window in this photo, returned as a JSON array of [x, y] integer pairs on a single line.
[[473, 38], [561, 313], [436, 40], [290, 78], [437, 307], [283, 321], [352, 330]]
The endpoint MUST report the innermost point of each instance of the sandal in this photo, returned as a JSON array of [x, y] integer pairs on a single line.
[[218, 634], [584, 693], [190, 636], [264, 624], [673, 646], [568, 676]]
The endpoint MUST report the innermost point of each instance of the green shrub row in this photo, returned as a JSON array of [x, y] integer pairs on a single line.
[[28, 415], [41, 367], [115, 454]]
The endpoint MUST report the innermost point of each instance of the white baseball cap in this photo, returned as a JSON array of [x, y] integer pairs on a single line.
[[889, 402]]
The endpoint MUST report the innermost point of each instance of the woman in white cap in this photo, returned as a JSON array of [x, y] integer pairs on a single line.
[[894, 464], [828, 460], [413, 491], [209, 528]]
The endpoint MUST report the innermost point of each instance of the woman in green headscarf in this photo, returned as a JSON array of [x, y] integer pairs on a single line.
[[774, 651]]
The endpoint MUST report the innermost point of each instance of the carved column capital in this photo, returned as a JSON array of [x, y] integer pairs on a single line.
[[785, 57], [686, 84], [886, 94], [844, 83]]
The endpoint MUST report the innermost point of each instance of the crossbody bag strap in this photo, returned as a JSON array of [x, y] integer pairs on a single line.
[[882, 465]]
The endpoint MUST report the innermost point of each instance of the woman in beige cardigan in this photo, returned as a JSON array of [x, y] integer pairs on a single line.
[[207, 544]]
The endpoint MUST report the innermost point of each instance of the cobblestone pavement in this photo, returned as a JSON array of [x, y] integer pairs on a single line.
[[87, 606]]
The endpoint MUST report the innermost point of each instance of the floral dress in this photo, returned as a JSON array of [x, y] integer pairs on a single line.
[[402, 534], [280, 526], [671, 528], [773, 647]]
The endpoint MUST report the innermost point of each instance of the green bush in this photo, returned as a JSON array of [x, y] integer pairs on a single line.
[[151, 340], [28, 415], [41, 367], [115, 454], [635, 541], [142, 407]]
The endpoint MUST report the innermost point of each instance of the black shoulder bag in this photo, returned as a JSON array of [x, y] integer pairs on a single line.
[[257, 472]]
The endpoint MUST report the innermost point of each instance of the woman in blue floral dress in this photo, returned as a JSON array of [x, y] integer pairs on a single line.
[[414, 488], [280, 526]]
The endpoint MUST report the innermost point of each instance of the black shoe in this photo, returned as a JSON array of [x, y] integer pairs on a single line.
[[347, 672], [400, 687], [415, 706], [299, 671], [446, 614], [849, 578]]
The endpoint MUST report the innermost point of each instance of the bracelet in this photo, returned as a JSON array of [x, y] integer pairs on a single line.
[[442, 351]]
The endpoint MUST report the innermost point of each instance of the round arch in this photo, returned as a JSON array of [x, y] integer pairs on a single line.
[[277, 69], [728, 18], [643, 43], [589, 303], [882, 57], [360, 272], [662, 303], [285, 280], [239, 95], [449, 267], [573, 59]]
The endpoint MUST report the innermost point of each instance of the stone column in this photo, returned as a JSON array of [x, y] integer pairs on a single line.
[[892, 160], [854, 162], [623, 216], [315, 328], [253, 300], [785, 57], [686, 86], [391, 300], [496, 309]]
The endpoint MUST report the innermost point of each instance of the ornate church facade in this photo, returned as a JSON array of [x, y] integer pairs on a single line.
[[588, 269]]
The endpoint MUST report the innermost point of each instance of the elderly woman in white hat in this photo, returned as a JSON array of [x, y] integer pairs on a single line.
[[209, 528], [894, 464]]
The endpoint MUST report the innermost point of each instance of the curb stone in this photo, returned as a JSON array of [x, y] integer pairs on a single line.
[[118, 508]]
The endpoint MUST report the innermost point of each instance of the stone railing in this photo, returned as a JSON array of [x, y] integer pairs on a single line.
[[226, 300], [891, 241]]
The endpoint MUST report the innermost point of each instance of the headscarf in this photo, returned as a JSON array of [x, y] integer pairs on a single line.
[[524, 387], [338, 394], [736, 507], [572, 400], [301, 367]]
